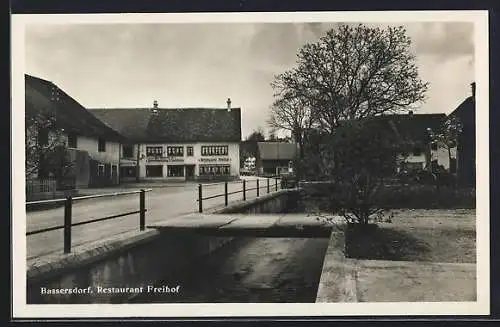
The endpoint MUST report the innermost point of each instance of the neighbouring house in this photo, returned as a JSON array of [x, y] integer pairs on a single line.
[[413, 130], [416, 130], [177, 144], [275, 158], [93, 149], [466, 148]]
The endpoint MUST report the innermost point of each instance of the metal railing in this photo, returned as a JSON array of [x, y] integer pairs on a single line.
[[68, 206], [267, 185]]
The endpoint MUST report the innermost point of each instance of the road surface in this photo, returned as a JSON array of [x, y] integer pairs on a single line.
[[161, 203]]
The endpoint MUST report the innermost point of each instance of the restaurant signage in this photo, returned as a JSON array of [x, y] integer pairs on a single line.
[[214, 159]]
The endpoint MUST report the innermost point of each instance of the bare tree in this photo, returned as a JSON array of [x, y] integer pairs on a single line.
[[350, 73], [291, 114]]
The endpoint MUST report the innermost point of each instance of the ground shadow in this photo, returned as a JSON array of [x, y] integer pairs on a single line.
[[383, 243]]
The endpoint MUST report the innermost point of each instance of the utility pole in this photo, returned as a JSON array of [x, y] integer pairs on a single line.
[[137, 167]]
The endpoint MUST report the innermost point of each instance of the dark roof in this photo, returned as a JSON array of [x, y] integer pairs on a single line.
[[69, 114], [466, 111], [413, 127], [174, 124], [276, 150]]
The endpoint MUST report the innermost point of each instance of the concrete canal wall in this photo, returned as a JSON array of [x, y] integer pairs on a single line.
[[112, 271]]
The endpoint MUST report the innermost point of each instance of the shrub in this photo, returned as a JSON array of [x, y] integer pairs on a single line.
[[319, 196]]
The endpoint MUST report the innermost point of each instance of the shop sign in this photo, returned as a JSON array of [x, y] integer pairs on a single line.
[[214, 159], [175, 159]]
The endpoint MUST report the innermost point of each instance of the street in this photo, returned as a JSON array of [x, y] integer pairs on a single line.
[[161, 203]]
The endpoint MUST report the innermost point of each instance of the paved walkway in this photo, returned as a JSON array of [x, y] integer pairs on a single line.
[[351, 280], [262, 225]]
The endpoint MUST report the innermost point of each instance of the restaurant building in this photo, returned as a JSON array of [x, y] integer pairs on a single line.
[[177, 144]]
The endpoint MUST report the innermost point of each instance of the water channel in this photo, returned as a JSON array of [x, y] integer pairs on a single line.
[[250, 270]]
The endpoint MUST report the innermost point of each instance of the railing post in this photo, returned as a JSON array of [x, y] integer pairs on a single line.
[[257, 187], [276, 183], [200, 196], [268, 185], [225, 194], [244, 190], [68, 204], [142, 209]]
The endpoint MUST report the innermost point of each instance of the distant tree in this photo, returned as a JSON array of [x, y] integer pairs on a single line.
[[291, 114], [256, 136], [350, 73], [249, 147], [272, 136]]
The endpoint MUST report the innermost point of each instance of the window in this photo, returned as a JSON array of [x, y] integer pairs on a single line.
[[175, 151], [189, 151], [128, 151], [217, 170], [417, 151], [100, 170], [72, 143], [154, 171], [220, 150], [43, 137], [434, 146], [175, 171], [127, 171], [154, 151], [101, 147]]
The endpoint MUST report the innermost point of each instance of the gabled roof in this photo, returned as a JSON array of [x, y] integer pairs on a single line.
[[413, 127], [276, 150], [170, 125], [69, 114], [466, 111]]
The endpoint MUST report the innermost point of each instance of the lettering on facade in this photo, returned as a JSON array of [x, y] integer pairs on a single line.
[[175, 159], [168, 159], [214, 159]]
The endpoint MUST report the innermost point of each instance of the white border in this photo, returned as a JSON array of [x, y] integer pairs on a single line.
[[480, 307]]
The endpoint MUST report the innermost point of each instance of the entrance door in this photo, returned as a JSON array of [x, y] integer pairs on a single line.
[[189, 172], [114, 174]]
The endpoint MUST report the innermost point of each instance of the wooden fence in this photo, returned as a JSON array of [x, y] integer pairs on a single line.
[[39, 187]]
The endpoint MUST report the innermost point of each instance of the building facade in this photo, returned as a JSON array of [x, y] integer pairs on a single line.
[[92, 148], [177, 144], [176, 161], [275, 158], [423, 152]]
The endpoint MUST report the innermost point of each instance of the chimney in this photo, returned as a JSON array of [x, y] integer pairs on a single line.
[[155, 104], [473, 89], [228, 104]]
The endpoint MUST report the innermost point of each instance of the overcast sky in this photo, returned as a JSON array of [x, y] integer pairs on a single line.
[[201, 65]]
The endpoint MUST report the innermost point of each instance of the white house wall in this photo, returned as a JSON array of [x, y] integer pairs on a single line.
[[111, 155], [441, 155]]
